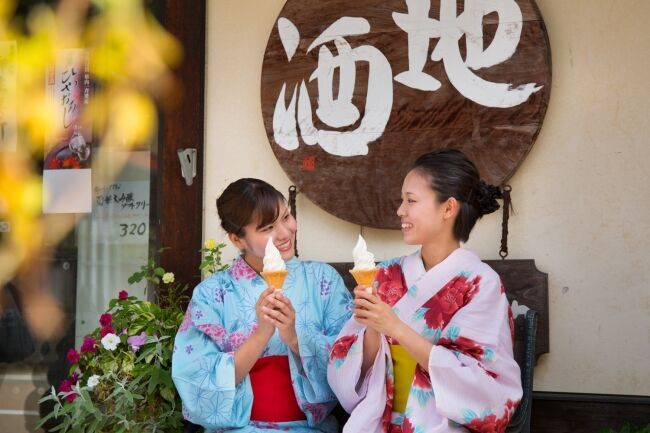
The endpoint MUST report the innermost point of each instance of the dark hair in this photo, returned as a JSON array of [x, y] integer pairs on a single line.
[[452, 174], [246, 200]]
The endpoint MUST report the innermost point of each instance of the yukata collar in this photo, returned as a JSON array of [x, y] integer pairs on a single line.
[[240, 261], [413, 266]]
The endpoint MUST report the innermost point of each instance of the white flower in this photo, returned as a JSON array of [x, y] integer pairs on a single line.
[[168, 278], [210, 244], [110, 341], [93, 381]]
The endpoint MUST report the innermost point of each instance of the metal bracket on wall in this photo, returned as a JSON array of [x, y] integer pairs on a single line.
[[187, 158]]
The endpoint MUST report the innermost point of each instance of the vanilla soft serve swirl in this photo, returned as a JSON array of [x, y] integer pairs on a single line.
[[272, 258], [363, 259]]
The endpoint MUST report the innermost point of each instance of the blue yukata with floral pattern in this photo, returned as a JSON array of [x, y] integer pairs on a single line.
[[219, 318]]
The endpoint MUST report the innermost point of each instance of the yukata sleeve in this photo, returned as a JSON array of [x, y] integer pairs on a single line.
[[316, 335], [204, 375], [365, 398], [346, 358], [473, 373]]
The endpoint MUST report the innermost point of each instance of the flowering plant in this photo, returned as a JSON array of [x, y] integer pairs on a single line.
[[120, 377], [212, 257]]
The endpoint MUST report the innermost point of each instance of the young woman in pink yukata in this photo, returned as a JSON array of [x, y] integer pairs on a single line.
[[430, 349]]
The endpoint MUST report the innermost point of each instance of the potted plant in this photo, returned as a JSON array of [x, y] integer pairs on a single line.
[[120, 377]]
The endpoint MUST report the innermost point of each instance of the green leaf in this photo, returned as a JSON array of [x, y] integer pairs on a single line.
[[159, 271], [168, 394], [158, 377], [45, 419]]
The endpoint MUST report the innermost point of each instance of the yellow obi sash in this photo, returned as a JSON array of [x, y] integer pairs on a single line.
[[404, 369]]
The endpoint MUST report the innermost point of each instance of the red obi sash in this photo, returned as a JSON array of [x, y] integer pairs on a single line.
[[273, 397]]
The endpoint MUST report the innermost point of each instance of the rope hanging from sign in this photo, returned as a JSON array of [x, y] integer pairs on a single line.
[[293, 192], [507, 208]]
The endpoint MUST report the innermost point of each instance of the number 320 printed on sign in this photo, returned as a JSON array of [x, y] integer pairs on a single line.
[[133, 229]]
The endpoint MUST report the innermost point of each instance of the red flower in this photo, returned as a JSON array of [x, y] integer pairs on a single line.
[[511, 405], [106, 319], [492, 424], [463, 345], [123, 295], [488, 372], [421, 378], [89, 345], [71, 162], [66, 386], [342, 347], [485, 425], [442, 306], [391, 285], [54, 164], [73, 356], [106, 330], [407, 427], [388, 409]]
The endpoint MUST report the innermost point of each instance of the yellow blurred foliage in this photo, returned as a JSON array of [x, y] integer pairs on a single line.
[[130, 59]]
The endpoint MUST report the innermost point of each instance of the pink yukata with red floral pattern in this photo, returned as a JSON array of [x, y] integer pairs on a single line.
[[471, 383]]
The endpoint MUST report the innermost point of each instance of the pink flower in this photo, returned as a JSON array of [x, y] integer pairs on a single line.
[[136, 341], [317, 410], [236, 340], [73, 356], [214, 331], [187, 319], [240, 269], [123, 295], [106, 319], [89, 345]]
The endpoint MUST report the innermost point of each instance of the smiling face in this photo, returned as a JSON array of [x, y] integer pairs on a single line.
[[253, 242], [424, 220]]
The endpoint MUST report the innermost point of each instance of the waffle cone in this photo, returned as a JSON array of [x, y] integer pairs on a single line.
[[275, 278], [364, 277]]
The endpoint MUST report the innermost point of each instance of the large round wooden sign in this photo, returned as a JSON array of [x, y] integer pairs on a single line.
[[354, 92]]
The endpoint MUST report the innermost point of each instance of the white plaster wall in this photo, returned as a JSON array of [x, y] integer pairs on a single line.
[[582, 196]]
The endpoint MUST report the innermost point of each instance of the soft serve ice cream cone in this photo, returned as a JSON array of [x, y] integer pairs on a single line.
[[364, 270], [275, 270]]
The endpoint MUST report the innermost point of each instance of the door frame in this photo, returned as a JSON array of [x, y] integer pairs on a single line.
[[178, 216]]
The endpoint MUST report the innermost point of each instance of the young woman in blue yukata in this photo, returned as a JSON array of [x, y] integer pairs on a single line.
[[251, 359]]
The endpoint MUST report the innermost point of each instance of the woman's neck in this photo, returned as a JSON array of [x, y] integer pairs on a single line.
[[435, 252], [254, 262]]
